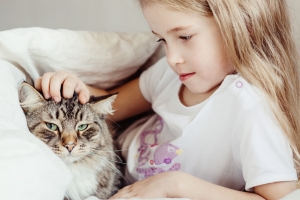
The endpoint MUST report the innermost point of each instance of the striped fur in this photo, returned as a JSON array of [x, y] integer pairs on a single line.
[[88, 153]]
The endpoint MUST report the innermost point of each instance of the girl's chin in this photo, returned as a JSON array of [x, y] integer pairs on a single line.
[[201, 90]]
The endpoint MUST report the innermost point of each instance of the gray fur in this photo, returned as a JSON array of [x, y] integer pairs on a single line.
[[92, 149]]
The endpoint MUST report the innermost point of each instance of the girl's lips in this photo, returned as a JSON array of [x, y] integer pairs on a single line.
[[184, 77]]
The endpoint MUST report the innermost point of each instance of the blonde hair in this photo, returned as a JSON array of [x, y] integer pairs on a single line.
[[259, 42]]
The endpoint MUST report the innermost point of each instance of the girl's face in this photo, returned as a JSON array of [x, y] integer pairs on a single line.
[[194, 47]]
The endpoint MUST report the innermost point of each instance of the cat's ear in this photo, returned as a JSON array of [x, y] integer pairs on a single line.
[[104, 106], [29, 97]]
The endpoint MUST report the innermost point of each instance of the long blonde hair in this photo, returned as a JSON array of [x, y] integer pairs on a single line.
[[259, 42]]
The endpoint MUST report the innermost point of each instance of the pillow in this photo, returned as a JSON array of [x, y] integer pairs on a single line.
[[29, 168], [101, 59]]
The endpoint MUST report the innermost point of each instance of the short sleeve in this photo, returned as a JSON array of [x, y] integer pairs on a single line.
[[151, 79], [264, 152]]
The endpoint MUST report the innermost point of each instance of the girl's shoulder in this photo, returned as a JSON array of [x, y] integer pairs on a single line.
[[237, 88]]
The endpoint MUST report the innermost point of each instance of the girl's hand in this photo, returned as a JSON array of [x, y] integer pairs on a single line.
[[157, 186], [52, 83]]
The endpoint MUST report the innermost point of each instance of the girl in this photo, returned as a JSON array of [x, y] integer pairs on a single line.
[[226, 99]]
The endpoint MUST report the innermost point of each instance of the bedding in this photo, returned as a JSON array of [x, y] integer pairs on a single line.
[[103, 59], [29, 169]]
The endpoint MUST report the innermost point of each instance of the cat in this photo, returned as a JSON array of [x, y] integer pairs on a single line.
[[79, 135]]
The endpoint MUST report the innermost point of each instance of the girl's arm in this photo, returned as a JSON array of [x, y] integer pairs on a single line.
[[128, 103], [178, 184]]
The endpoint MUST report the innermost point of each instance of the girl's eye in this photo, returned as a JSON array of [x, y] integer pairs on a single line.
[[161, 40], [186, 38], [82, 127], [52, 127]]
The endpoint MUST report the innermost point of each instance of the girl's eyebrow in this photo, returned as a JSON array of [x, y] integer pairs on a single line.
[[180, 28], [176, 29], [154, 32]]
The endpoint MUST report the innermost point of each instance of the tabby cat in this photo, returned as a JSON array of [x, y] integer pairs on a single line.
[[79, 135]]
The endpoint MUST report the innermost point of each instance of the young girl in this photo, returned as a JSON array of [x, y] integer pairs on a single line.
[[226, 98]]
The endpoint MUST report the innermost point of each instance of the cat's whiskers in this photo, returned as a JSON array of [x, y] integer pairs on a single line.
[[108, 162], [114, 122], [99, 156], [113, 152], [105, 160], [115, 161], [98, 149], [118, 157], [117, 170]]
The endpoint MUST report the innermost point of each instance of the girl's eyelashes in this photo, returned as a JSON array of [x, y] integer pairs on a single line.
[[186, 38], [161, 40]]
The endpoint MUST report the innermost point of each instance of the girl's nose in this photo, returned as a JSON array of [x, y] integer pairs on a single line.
[[174, 56]]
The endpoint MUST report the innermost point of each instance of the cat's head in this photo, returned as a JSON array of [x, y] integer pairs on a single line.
[[72, 130]]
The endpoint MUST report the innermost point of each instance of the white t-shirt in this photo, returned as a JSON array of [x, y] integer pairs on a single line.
[[231, 139]]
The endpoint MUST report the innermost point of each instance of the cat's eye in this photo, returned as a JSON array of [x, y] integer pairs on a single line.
[[52, 127], [82, 127]]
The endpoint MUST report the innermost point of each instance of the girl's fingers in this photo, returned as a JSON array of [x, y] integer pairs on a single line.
[[73, 84], [69, 85], [55, 84], [83, 93], [38, 84], [45, 84]]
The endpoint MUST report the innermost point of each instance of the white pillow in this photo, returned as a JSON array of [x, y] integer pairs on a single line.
[[29, 170], [103, 59]]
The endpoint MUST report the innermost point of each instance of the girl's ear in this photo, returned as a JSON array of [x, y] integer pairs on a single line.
[[104, 106], [29, 97]]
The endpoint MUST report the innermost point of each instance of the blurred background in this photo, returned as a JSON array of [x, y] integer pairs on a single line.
[[94, 15]]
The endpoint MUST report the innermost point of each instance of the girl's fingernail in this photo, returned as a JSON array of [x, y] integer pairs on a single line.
[[46, 96], [87, 98], [56, 99], [83, 100]]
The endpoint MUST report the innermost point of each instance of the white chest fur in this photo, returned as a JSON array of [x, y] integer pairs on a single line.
[[84, 182]]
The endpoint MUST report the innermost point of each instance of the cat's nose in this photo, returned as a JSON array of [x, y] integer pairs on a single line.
[[70, 147]]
